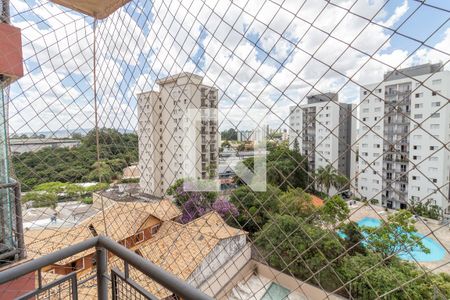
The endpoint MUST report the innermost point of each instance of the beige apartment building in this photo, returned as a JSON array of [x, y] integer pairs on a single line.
[[178, 135]]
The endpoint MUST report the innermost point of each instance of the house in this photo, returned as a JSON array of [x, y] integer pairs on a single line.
[[129, 223], [206, 253]]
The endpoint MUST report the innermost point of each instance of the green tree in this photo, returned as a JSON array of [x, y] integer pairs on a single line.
[[181, 196], [75, 164], [335, 210], [301, 249], [255, 208], [327, 177], [287, 168], [353, 238], [226, 144], [426, 209], [386, 278], [41, 199], [101, 171], [296, 202], [70, 189], [396, 235], [230, 134], [296, 145]]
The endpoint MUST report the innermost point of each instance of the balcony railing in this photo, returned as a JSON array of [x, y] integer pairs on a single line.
[[118, 284]]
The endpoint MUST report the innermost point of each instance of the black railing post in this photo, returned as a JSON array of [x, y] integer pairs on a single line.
[[102, 283]]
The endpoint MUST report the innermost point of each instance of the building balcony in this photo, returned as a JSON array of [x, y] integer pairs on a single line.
[[117, 271]]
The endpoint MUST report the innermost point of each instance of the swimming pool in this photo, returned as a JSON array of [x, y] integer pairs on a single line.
[[276, 292], [437, 252]]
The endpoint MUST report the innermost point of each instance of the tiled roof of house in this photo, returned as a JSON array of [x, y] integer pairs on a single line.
[[180, 249], [118, 221]]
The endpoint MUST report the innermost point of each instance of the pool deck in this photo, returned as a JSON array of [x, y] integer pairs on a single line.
[[431, 228]]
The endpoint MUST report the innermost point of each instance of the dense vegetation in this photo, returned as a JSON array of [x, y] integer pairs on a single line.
[[79, 164], [229, 135], [426, 209], [286, 168], [301, 240], [50, 193], [194, 204]]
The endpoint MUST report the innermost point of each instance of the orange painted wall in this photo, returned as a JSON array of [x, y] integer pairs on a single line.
[[10, 51], [13, 289]]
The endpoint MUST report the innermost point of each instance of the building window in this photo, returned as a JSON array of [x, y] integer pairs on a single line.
[[435, 115], [432, 147], [419, 95], [139, 237], [435, 104], [155, 228], [436, 81], [434, 126], [418, 116]]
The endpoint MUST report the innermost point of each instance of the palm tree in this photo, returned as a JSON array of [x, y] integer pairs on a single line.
[[328, 177]]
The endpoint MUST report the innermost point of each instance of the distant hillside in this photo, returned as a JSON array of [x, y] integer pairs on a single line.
[[66, 133]]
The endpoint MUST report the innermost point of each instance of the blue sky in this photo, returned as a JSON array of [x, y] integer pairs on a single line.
[[237, 47]]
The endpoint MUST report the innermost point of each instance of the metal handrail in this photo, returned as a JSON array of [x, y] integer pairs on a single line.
[[101, 242]]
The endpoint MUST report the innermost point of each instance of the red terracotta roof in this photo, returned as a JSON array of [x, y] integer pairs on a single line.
[[316, 201]]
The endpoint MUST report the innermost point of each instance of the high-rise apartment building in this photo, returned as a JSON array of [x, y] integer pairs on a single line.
[[177, 132], [405, 123], [325, 130]]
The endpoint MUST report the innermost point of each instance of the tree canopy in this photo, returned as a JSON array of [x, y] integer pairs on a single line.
[[229, 135], [78, 164], [396, 235]]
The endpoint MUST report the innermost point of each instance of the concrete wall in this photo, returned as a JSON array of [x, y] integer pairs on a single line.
[[215, 285], [222, 253], [308, 291]]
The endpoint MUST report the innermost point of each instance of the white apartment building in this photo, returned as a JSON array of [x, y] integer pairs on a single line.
[[325, 131], [404, 125], [177, 132]]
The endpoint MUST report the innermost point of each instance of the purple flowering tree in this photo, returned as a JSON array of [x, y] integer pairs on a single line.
[[195, 204]]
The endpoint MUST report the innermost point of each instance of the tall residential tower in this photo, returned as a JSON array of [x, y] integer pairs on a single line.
[[405, 123], [177, 132], [325, 130]]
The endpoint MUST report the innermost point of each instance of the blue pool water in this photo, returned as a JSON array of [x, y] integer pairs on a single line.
[[276, 292], [437, 252]]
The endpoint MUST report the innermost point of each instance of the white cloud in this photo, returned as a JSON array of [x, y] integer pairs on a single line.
[[313, 46]]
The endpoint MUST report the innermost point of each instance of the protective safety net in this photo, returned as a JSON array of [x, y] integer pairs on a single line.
[[254, 149]]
